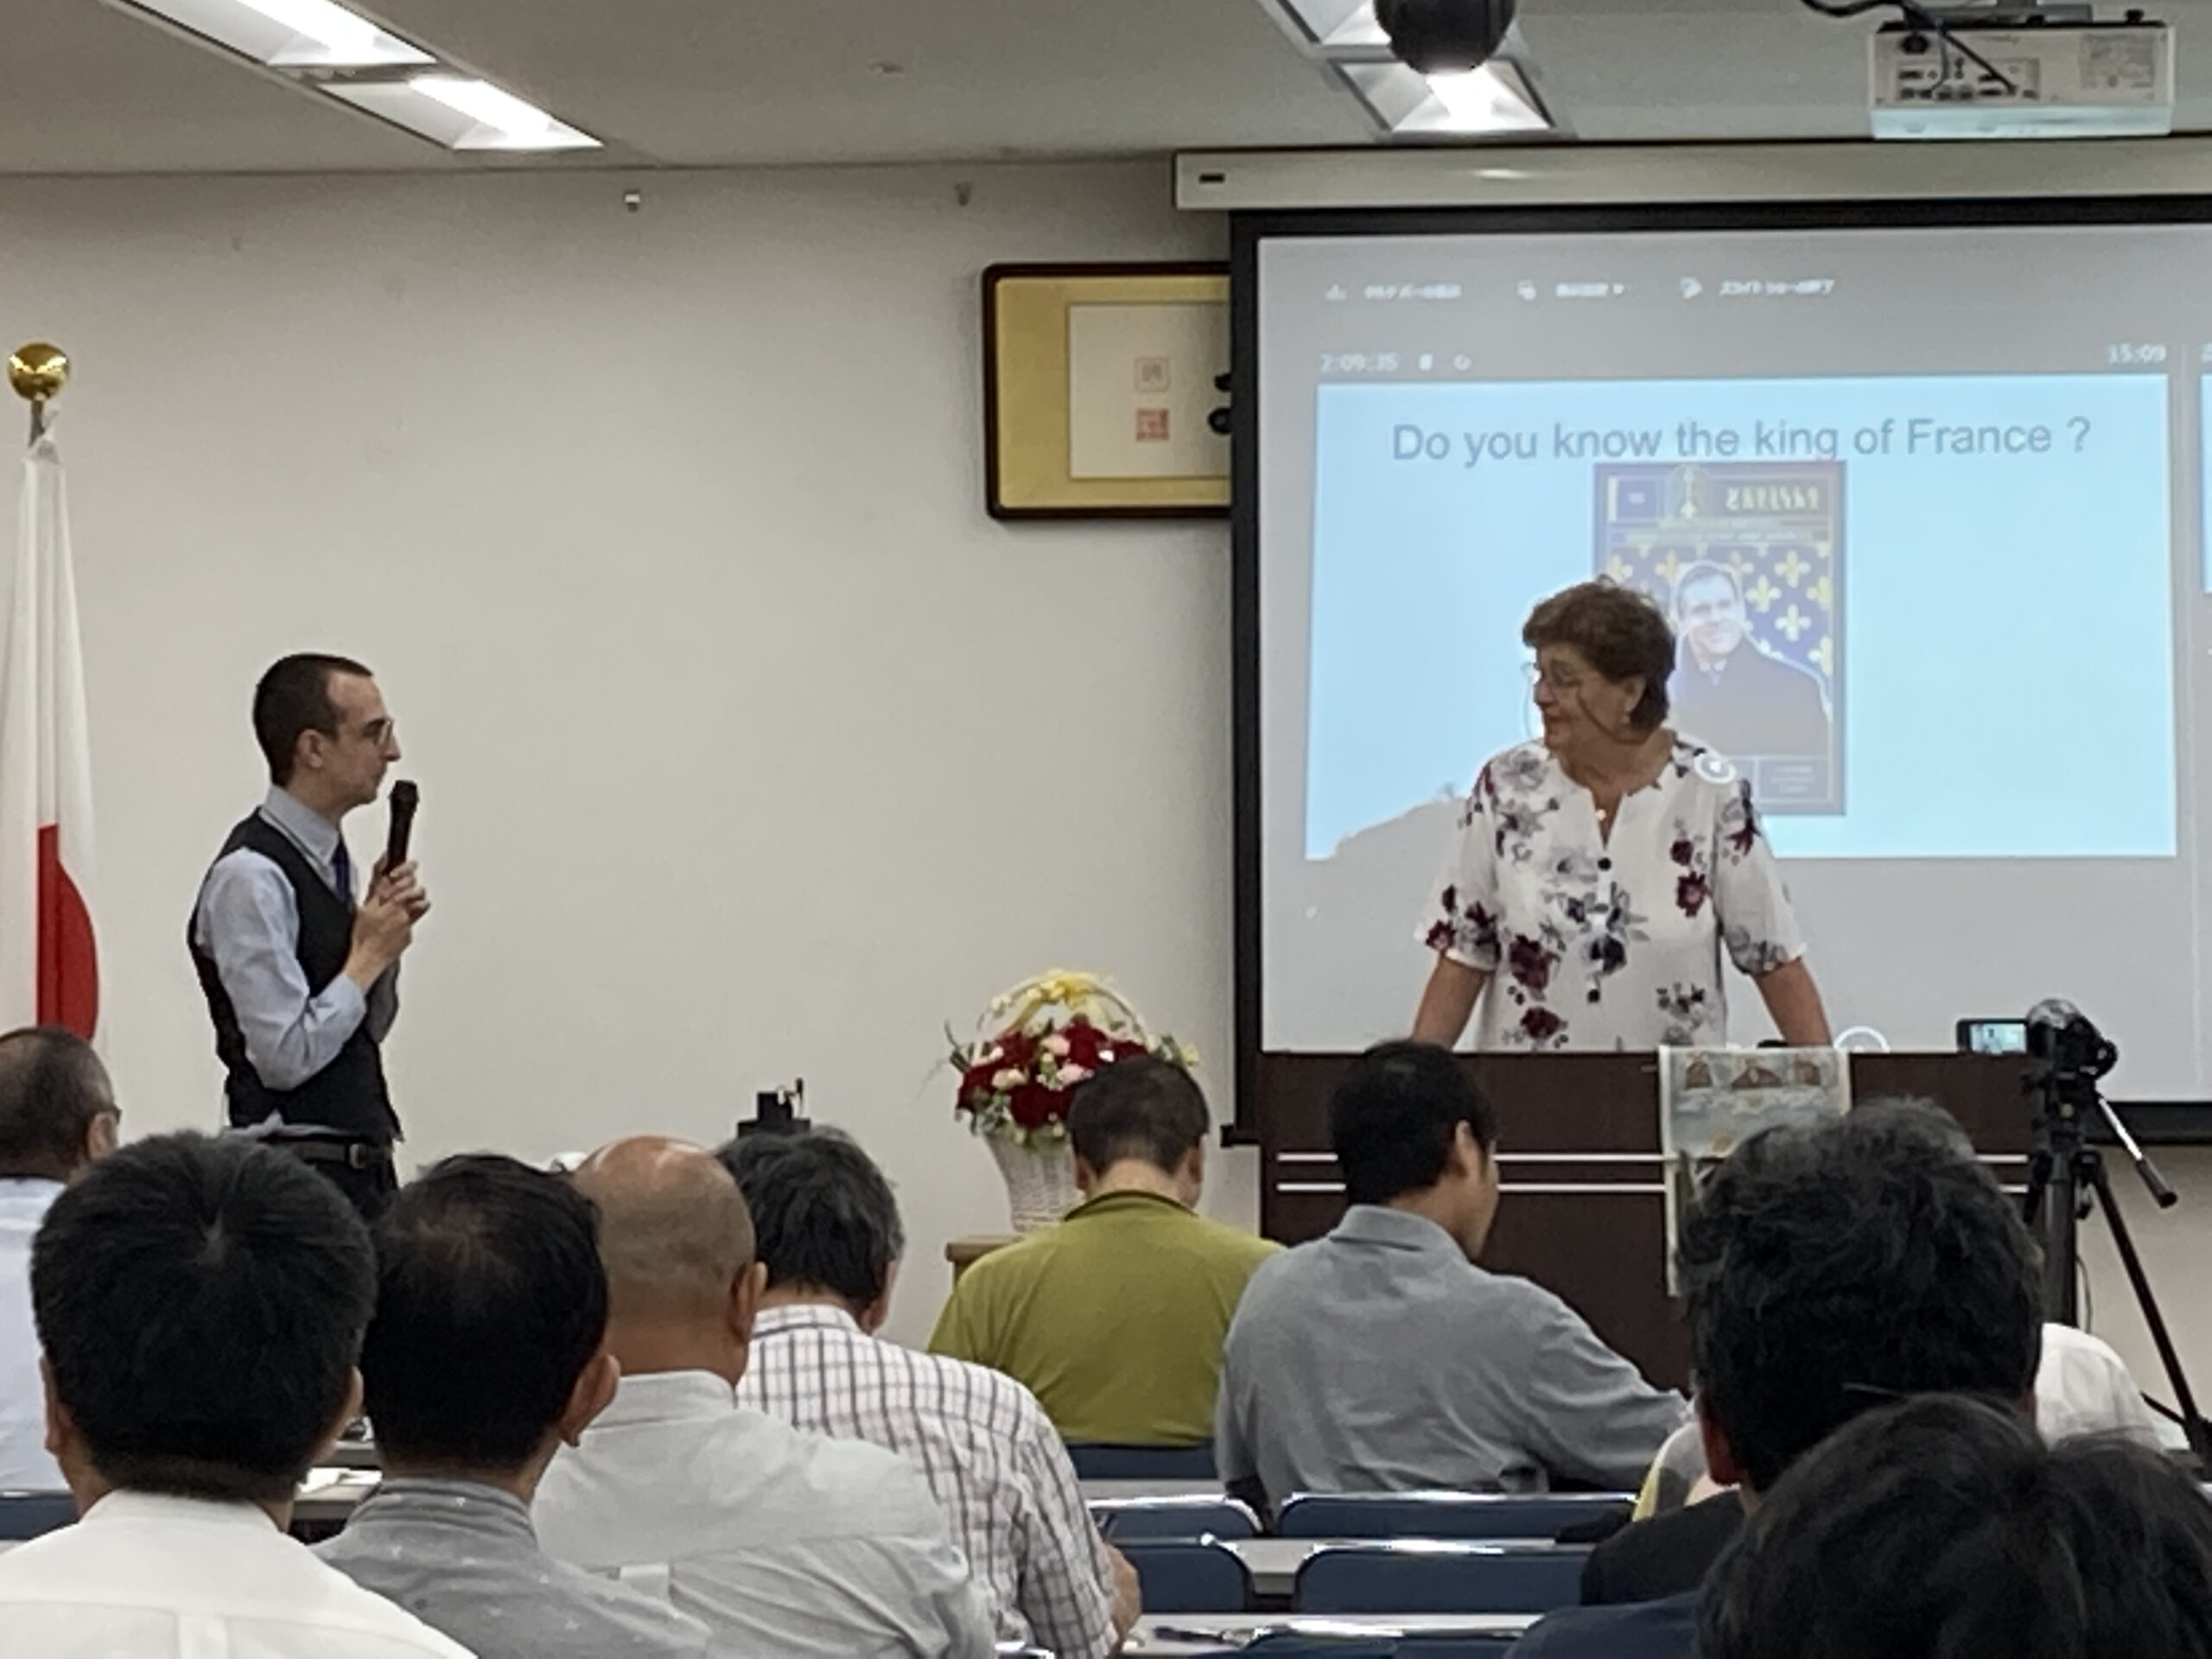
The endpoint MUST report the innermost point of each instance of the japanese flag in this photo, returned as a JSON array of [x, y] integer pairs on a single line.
[[49, 970]]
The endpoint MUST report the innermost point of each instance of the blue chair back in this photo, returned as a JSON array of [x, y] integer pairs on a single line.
[[1096, 1462], [1124, 1518], [25, 1515], [1190, 1577], [1423, 1577], [1455, 1647], [1441, 1515]]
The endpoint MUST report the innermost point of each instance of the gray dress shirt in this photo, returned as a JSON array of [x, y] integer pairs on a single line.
[[1379, 1358], [463, 1559], [248, 920]]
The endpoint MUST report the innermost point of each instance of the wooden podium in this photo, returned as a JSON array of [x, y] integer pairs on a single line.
[[1583, 1212]]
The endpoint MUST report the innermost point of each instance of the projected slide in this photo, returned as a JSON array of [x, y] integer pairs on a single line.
[[1884, 568], [1923, 507]]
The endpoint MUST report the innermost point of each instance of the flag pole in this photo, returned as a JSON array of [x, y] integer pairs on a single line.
[[38, 371]]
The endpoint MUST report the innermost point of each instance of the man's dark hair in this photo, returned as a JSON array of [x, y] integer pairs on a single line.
[[824, 1218], [1824, 1268], [292, 697], [1393, 1119], [1703, 571], [490, 1301], [201, 1302], [1944, 1528], [52, 1086], [1139, 1107]]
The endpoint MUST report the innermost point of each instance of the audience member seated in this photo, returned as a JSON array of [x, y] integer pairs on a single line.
[[1824, 1271], [1944, 1527], [2082, 1387], [1114, 1317], [201, 1304], [781, 1542], [827, 1229], [57, 1114], [486, 1351], [1381, 1358]]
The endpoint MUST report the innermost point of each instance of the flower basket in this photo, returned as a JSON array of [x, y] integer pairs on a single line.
[[1040, 1180], [1034, 1044]]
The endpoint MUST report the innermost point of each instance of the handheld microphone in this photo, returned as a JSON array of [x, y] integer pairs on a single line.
[[405, 797]]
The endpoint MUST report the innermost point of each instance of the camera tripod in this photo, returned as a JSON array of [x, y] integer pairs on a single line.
[[2067, 1178]]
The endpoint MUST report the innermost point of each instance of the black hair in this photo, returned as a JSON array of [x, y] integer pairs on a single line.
[[1139, 1107], [824, 1218], [490, 1301], [201, 1303], [1824, 1268], [1394, 1117], [294, 697], [52, 1086], [1942, 1528]]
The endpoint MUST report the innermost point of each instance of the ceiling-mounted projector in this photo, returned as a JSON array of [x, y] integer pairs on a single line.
[[2022, 71], [1444, 36]]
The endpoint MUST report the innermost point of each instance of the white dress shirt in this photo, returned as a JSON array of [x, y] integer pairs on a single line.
[[2082, 1387], [989, 1453], [780, 1542], [24, 1465], [248, 920], [142, 1577]]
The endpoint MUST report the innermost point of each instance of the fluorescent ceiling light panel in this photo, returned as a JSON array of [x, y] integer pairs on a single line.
[[462, 113], [1493, 99], [291, 33], [1333, 25]]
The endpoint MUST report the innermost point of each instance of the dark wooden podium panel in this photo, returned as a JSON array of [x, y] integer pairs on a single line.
[[1583, 1212]]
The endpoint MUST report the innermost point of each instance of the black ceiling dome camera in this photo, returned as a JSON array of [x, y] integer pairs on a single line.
[[1438, 36]]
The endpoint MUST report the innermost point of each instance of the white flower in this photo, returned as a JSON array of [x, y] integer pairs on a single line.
[[1105, 1057], [990, 1056], [1009, 1080], [1069, 1076], [1056, 1046]]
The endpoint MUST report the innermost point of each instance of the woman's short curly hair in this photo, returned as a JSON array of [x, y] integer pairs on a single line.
[[1621, 633]]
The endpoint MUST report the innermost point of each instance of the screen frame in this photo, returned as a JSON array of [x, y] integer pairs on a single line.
[[1249, 229]]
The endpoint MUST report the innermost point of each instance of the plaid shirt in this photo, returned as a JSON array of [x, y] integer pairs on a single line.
[[990, 1455]]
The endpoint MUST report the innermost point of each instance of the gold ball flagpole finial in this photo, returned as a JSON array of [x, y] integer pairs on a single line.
[[38, 371]]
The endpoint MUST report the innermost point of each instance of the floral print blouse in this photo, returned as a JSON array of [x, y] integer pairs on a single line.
[[1592, 944]]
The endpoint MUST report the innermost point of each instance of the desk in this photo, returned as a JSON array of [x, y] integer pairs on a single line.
[[1101, 1492], [353, 1454], [327, 1497], [1584, 1212], [1195, 1633], [965, 1253]]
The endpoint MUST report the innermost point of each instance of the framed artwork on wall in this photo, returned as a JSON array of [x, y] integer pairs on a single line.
[[1105, 390]]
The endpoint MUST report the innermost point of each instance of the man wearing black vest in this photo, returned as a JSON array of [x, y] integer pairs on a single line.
[[301, 983]]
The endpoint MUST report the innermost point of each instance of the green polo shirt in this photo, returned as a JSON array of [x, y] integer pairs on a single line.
[[1114, 1318]]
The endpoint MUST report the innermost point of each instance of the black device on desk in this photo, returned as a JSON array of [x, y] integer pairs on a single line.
[[776, 1112]]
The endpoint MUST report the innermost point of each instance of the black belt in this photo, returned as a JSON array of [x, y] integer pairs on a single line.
[[354, 1155]]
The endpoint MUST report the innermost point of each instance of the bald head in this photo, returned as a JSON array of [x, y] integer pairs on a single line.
[[53, 1089], [673, 1228]]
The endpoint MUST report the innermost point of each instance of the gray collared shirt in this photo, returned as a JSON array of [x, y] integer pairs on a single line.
[[463, 1559], [248, 920], [1379, 1358]]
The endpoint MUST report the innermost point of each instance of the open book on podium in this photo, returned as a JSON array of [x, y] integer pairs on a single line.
[[1712, 1100], [1585, 1155]]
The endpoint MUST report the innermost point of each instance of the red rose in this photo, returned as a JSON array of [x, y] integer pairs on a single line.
[[1034, 1105], [1691, 892], [1084, 1042]]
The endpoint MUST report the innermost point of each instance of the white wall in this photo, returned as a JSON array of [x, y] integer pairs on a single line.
[[750, 746]]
